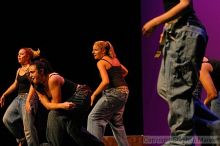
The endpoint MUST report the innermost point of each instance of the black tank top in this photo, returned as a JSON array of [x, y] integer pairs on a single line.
[[115, 76], [168, 4], [187, 15], [23, 83], [67, 89]]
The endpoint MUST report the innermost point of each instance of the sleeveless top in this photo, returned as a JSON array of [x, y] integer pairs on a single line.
[[115, 76], [23, 83], [67, 89], [168, 4], [188, 15]]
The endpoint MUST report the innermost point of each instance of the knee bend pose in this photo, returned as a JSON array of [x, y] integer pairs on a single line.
[[67, 102], [18, 121], [110, 107], [184, 41]]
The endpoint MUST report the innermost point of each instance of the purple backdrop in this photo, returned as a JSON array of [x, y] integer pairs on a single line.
[[155, 108]]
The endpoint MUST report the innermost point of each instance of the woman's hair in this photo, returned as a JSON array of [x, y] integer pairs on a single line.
[[42, 65], [107, 46], [32, 53]]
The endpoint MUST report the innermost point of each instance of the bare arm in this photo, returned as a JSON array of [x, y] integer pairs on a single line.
[[52, 106], [105, 80], [55, 90], [29, 97], [207, 82], [46, 102], [55, 83], [149, 26]]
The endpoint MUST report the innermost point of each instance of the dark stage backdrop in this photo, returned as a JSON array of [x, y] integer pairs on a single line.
[[65, 32], [154, 107]]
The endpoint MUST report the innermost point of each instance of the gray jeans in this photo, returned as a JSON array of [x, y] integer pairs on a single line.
[[109, 110], [65, 127], [20, 122], [182, 56]]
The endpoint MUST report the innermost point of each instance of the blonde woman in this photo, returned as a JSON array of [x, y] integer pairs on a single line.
[[110, 107], [19, 122]]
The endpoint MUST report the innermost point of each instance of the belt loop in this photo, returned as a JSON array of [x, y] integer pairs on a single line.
[[78, 87], [22, 94], [187, 23]]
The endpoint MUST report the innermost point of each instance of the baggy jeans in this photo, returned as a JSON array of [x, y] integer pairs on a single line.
[[109, 110], [179, 73], [20, 122]]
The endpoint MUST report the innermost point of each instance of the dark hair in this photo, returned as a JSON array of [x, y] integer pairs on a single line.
[[43, 65]]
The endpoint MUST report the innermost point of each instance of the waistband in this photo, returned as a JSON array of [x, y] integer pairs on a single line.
[[122, 87], [179, 22], [174, 21], [22, 93], [194, 23], [82, 86]]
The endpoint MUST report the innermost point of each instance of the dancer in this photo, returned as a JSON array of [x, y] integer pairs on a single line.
[[110, 107], [68, 103], [184, 43], [19, 122]]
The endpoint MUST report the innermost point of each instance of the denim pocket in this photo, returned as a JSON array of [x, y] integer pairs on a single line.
[[118, 93]]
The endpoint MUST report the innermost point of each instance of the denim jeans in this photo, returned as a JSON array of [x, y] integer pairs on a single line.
[[67, 125], [21, 123], [215, 105], [109, 109], [179, 73]]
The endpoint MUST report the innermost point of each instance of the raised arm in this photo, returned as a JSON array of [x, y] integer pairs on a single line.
[[105, 80]]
